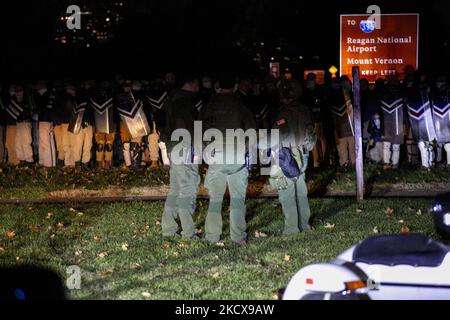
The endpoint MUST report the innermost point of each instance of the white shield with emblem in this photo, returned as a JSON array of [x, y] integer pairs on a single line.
[[132, 113]]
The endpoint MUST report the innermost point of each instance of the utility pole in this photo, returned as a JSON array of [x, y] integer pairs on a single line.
[[358, 135]]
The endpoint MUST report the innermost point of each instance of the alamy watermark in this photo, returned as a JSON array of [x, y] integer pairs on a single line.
[[74, 18], [237, 146], [73, 281]]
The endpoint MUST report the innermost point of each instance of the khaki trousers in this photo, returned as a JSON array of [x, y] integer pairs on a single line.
[[11, 145], [104, 146], [346, 150], [47, 151], [24, 151], [62, 140], [153, 146], [80, 146], [320, 148]]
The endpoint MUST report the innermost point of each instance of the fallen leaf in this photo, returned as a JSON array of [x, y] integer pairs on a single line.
[[287, 258], [49, 228], [146, 294], [52, 236], [198, 231], [359, 210], [17, 258], [175, 254], [60, 225], [105, 273], [157, 222], [220, 244], [10, 233], [419, 212], [215, 275], [329, 226], [404, 230], [166, 246], [401, 221], [2, 249], [80, 213], [275, 297], [183, 245], [78, 252], [125, 246], [72, 210], [49, 215], [216, 257], [96, 238], [260, 234], [103, 254], [375, 230], [136, 266], [389, 211]]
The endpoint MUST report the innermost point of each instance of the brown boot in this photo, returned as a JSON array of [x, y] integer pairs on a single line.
[[107, 165], [100, 164]]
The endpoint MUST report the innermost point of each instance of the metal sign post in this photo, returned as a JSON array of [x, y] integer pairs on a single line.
[[358, 136]]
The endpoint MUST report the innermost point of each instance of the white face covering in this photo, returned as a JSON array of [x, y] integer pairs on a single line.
[[42, 91], [377, 123]]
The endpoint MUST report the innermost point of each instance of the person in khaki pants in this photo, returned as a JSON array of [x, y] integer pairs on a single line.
[[44, 100], [9, 119], [61, 118], [342, 111], [81, 146], [104, 149], [153, 146], [11, 145], [62, 142], [131, 147], [80, 131], [24, 151], [19, 138], [346, 150]]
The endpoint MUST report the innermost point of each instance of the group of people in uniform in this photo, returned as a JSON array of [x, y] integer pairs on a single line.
[[416, 114], [131, 122], [405, 121], [229, 109], [71, 124]]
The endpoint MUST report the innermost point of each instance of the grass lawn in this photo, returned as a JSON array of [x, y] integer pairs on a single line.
[[38, 182], [122, 255]]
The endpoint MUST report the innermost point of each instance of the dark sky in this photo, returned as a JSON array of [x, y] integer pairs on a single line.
[[199, 35]]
